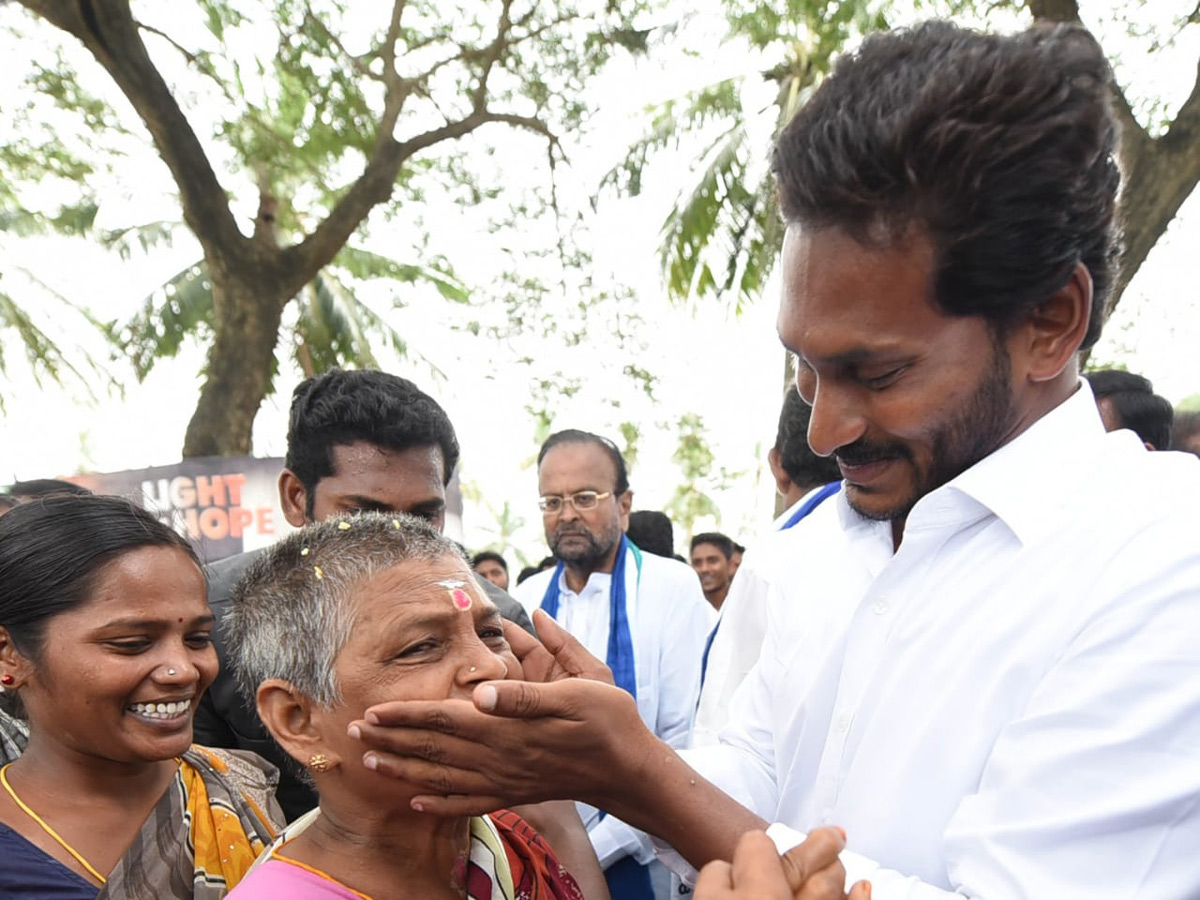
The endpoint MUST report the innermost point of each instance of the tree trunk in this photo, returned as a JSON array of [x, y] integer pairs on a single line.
[[1159, 174], [239, 366]]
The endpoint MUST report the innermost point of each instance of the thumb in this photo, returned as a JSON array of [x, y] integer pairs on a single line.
[[567, 651], [553, 636], [520, 699]]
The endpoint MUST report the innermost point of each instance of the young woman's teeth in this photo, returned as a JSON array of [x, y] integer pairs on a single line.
[[161, 710]]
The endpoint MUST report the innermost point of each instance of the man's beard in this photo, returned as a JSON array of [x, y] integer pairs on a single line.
[[586, 556], [962, 438]]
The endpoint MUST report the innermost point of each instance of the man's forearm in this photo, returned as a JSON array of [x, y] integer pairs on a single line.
[[667, 798]]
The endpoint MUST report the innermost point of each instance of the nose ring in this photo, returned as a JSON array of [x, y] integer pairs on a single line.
[[170, 671], [472, 668]]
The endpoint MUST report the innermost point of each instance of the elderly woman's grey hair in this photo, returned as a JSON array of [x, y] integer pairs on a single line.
[[293, 610]]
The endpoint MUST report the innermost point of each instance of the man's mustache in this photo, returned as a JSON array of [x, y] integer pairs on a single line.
[[862, 453], [571, 532]]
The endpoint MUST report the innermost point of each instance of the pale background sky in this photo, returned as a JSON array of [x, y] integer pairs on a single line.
[[724, 367]]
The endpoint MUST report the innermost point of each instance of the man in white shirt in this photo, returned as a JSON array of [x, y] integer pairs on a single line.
[[712, 561], [645, 615], [992, 682], [771, 574]]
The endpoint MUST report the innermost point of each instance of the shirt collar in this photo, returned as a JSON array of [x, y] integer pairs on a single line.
[[1030, 482]]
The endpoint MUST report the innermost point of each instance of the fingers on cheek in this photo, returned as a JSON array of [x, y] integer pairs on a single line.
[[424, 775], [457, 805]]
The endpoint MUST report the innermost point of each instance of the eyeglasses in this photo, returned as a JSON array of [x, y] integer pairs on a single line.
[[581, 500]]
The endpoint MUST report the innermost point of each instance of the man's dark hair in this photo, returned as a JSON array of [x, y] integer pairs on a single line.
[[999, 148], [803, 466], [339, 408], [720, 541], [46, 487], [485, 555], [575, 436], [1185, 427], [652, 531], [1135, 403]]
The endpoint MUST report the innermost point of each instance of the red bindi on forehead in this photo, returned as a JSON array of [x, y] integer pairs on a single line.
[[461, 599]]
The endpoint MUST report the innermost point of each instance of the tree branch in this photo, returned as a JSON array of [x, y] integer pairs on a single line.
[[491, 54], [1185, 127], [1160, 175], [187, 54], [312, 19], [301, 261], [108, 31], [390, 40]]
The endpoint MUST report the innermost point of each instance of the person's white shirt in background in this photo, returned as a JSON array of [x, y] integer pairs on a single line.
[[767, 576]]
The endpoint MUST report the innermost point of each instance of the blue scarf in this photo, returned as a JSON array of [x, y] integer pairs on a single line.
[[620, 642], [818, 497]]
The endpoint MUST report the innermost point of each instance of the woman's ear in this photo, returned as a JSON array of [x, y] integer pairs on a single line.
[[14, 667], [289, 716]]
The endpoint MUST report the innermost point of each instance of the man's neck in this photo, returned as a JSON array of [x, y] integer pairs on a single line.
[[717, 597], [577, 574]]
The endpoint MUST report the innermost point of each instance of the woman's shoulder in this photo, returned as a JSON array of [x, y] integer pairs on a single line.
[[240, 767], [243, 774]]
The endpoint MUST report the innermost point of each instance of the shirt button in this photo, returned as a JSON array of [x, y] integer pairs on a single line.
[[879, 607], [843, 724]]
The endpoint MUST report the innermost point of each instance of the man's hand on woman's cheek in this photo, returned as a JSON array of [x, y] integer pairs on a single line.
[[556, 656], [519, 742]]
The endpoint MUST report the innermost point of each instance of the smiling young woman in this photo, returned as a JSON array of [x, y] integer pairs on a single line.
[[105, 648]]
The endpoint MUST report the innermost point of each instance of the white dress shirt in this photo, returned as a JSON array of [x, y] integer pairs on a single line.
[[669, 622], [1009, 705], [768, 576]]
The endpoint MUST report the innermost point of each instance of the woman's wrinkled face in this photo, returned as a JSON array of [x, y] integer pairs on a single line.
[[120, 675], [423, 631]]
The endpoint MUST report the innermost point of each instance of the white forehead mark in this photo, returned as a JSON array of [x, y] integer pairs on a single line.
[[450, 583]]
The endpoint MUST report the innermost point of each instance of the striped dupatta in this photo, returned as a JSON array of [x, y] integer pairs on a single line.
[[510, 861]]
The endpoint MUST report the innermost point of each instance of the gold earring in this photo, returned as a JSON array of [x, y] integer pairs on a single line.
[[318, 762]]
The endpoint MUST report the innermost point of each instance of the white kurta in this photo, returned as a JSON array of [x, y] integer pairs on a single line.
[[669, 622], [1008, 706], [767, 577]]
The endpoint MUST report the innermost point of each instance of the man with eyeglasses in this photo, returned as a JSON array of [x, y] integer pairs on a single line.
[[645, 615]]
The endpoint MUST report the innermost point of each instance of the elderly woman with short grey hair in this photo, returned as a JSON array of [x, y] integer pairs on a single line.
[[338, 617]]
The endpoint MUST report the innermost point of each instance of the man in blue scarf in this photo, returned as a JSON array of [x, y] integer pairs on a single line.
[[645, 615]]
